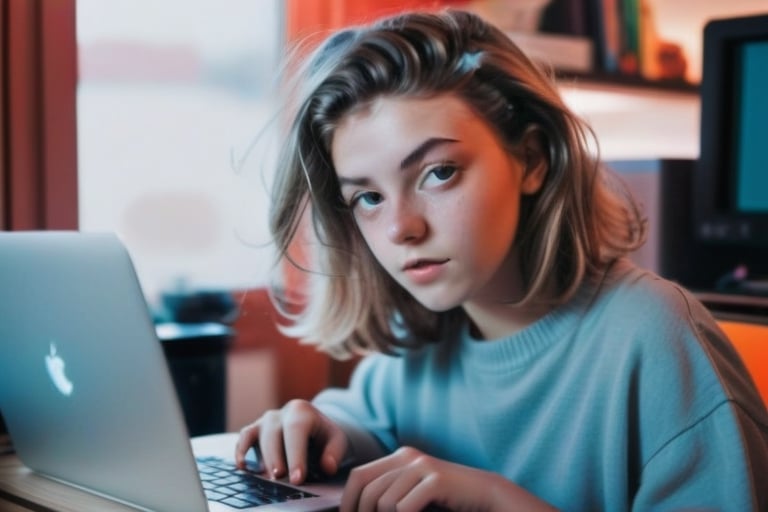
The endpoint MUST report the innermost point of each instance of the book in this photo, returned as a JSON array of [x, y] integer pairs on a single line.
[[629, 58]]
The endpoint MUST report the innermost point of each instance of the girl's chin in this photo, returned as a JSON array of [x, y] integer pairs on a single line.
[[435, 302]]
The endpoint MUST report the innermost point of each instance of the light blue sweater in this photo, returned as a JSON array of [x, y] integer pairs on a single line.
[[628, 397]]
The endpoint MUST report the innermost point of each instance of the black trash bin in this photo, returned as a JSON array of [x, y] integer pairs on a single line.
[[197, 358]]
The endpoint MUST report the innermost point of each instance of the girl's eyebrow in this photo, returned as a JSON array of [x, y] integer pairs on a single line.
[[423, 148], [413, 157], [360, 182]]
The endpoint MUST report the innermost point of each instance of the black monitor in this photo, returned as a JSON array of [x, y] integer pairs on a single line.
[[730, 185]]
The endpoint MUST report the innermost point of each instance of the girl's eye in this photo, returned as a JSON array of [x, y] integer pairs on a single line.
[[366, 200], [440, 174]]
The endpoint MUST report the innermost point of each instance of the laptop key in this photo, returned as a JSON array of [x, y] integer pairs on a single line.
[[205, 477], [236, 503], [213, 495], [227, 491], [228, 480]]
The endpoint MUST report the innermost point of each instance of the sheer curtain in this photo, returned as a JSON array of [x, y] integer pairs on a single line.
[[175, 109]]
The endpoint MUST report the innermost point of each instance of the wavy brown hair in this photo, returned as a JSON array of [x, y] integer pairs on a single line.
[[577, 223]]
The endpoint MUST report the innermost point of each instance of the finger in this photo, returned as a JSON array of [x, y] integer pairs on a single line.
[[362, 476], [335, 449], [363, 489], [407, 488], [356, 481], [301, 422], [271, 444], [388, 491], [248, 437], [402, 460], [424, 494]]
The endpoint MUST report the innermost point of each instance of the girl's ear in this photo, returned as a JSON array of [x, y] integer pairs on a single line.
[[536, 163]]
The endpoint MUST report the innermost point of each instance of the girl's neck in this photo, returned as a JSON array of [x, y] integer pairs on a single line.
[[492, 321], [494, 313]]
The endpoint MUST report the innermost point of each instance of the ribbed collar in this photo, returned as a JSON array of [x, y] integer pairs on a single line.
[[521, 348]]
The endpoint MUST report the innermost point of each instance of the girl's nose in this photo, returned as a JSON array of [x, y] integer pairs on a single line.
[[406, 226]]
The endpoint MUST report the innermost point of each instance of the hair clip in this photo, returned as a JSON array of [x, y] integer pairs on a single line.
[[470, 60]]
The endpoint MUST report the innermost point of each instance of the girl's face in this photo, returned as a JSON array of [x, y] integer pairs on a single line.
[[436, 197]]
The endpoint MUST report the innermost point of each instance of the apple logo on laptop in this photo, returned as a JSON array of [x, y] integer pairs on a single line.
[[55, 366]]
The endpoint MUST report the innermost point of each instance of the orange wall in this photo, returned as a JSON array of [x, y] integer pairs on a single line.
[[751, 341], [307, 19]]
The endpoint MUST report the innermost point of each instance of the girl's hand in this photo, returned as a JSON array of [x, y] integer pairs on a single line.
[[283, 439], [410, 481]]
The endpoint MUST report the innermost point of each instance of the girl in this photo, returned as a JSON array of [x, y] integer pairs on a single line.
[[468, 242]]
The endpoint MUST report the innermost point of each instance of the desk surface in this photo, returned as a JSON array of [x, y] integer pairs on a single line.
[[24, 490]]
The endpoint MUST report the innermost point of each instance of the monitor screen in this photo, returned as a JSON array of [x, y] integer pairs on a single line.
[[750, 158], [730, 185]]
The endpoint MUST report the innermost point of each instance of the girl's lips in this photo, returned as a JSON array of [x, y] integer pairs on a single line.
[[419, 262], [422, 272], [415, 264]]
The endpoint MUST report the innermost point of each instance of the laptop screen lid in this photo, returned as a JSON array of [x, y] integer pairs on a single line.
[[84, 385]]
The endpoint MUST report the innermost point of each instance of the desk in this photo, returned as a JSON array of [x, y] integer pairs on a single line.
[[23, 490]]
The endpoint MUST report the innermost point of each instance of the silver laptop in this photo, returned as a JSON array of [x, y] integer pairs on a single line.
[[86, 392]]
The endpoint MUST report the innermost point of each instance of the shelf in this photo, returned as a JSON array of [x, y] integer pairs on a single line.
[[618, 80], [571, 57]]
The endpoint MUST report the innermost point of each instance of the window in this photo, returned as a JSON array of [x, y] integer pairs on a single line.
[[172, 97]]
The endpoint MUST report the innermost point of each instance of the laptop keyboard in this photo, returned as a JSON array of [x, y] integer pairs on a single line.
[[224, 483]]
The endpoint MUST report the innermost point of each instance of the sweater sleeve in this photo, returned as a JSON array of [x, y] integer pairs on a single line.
[[709, 466], [364, 410], [714, 448]]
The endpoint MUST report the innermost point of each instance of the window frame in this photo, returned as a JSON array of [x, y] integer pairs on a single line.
[[38, 128]]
